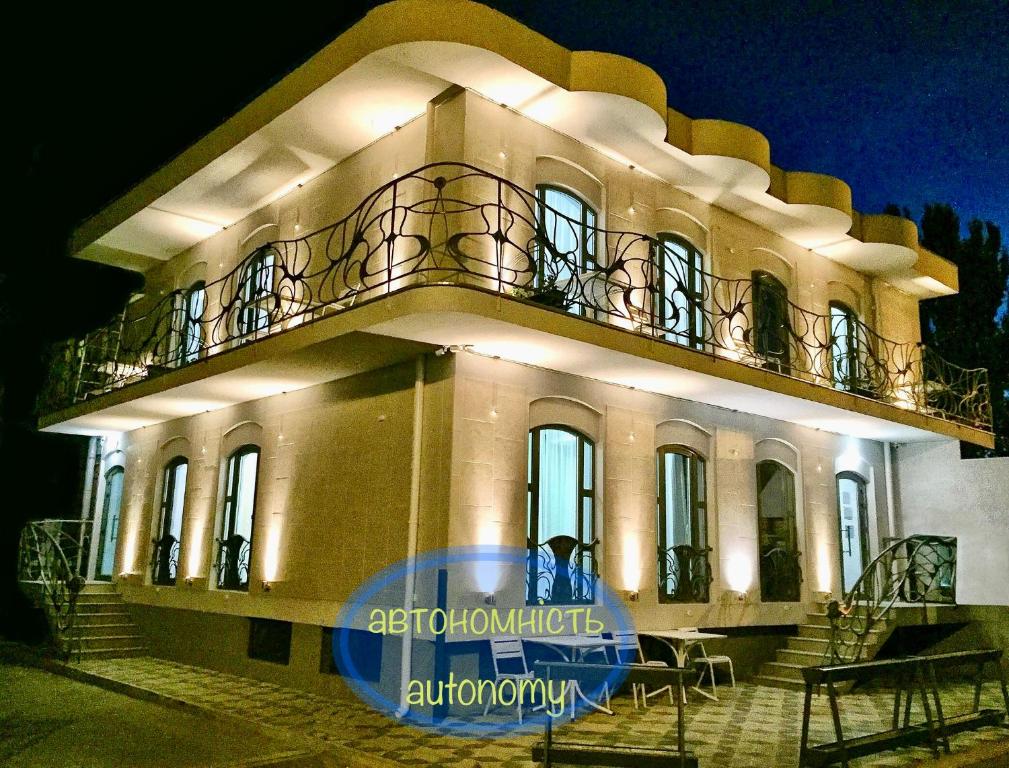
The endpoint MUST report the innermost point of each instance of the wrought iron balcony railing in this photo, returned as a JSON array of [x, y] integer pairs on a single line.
[[455, 224], [684, 574]]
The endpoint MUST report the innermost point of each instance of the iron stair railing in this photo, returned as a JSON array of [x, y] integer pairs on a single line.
[[51, 561], [915, 569]]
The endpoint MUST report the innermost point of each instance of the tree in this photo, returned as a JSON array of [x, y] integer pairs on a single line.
[[971, 328]]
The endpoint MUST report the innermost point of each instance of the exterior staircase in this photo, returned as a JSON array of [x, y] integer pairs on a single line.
[[809, 648], [909, 579], [102, 627], [87, 621]]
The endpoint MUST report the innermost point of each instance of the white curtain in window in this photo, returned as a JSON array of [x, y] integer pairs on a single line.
[[245, 495], [178, 500], [677, 499], [558, 484]]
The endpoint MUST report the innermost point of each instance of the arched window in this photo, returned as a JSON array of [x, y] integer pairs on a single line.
[[679, 291], [845, 368], [561, 516], [194, 303], [165, 558], [771, 324], [109, 532], [256, 295], [568, 225], [780, 574], [853, 511], [684, 571], [235, 543]]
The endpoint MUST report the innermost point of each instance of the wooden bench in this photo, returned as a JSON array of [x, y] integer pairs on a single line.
[[913, 675], [590, 676]]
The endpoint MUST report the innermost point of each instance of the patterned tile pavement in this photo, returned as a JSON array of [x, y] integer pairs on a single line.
[[751, 726]]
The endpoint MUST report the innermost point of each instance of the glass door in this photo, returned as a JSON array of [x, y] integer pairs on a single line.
[[853, 511], [110, 524]]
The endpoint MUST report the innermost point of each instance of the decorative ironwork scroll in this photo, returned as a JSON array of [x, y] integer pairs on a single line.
[[684, 574], [165, 561], [780, 575], [917, 569], [51, 558], [562, 571], [233, 562]]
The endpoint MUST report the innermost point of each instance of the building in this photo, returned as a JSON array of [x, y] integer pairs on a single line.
[[449, 283]]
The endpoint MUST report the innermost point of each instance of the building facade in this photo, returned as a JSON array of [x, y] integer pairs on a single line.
[[450, 284]]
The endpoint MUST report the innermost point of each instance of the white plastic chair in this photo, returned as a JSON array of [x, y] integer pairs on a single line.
[[629, 643], [509, 649], [709, 662]]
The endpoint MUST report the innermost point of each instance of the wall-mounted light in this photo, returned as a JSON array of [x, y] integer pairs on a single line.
[[266, 585], [489, 598], [189, 581], [734, 596], [631, 595]]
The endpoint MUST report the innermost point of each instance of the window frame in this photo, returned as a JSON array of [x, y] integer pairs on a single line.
[[229, 517], [694, 275], [698, 512], [255, 291], [586, 258], [793, 533], [585, 495], [764, 282], [169, 478], [851, 383], [192, 326]]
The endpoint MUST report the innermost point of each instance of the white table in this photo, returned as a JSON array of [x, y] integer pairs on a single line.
[[680, 642], [570, 648]]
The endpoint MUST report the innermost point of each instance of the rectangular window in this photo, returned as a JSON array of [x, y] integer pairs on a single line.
[[270, 640]]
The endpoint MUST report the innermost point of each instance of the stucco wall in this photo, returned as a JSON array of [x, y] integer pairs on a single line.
[[496, 402], [942, 494], [332, 498]]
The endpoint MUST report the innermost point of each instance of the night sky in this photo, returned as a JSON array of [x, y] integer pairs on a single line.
[[908, 103]]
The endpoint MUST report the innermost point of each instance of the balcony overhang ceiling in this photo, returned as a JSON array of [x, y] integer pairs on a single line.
[[382, 73]]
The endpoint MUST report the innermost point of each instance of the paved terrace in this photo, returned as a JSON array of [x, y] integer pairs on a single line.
[[751, 726]]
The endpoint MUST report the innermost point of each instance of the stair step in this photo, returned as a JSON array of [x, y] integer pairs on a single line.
[[100, 607], [99, 588], [122, 628], [779, 682], [820, 620], [783, 670], [101, 642], [816, 631], [803, 658], [86, 619], [111, 653]]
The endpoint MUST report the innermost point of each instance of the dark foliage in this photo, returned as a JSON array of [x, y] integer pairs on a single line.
[[971, 328]]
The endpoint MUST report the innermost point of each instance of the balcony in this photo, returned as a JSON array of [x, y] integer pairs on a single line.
[[455, 225]]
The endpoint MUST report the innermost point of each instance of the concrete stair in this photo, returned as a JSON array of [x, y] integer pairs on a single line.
[[102, 626], [809, 648]]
